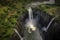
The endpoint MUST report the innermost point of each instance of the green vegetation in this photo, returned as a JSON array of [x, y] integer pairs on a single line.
[[10, 10], [52, 10]]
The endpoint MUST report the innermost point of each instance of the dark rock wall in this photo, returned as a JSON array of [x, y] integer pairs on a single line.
[[57, 2]]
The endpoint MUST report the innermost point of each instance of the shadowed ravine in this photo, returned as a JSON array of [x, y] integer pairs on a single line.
[[41, 19], [31, 30]]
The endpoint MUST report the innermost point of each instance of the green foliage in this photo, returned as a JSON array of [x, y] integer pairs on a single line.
[[52, 10], [9, 13]]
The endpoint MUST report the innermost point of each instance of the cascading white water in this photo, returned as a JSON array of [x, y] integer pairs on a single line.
[[35, 4], [46, 28], [30, 14], [33, 32], [18, 34], [30, 24]]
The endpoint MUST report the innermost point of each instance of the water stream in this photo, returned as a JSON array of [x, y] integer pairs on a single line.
[[35, 4], [49, 24], [30, 14], [18, 34]]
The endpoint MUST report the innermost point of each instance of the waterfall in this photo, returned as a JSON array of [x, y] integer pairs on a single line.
[[30, 14], [32, 32], [46, 28], [18, 34], [35, 4], [30, 24]]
